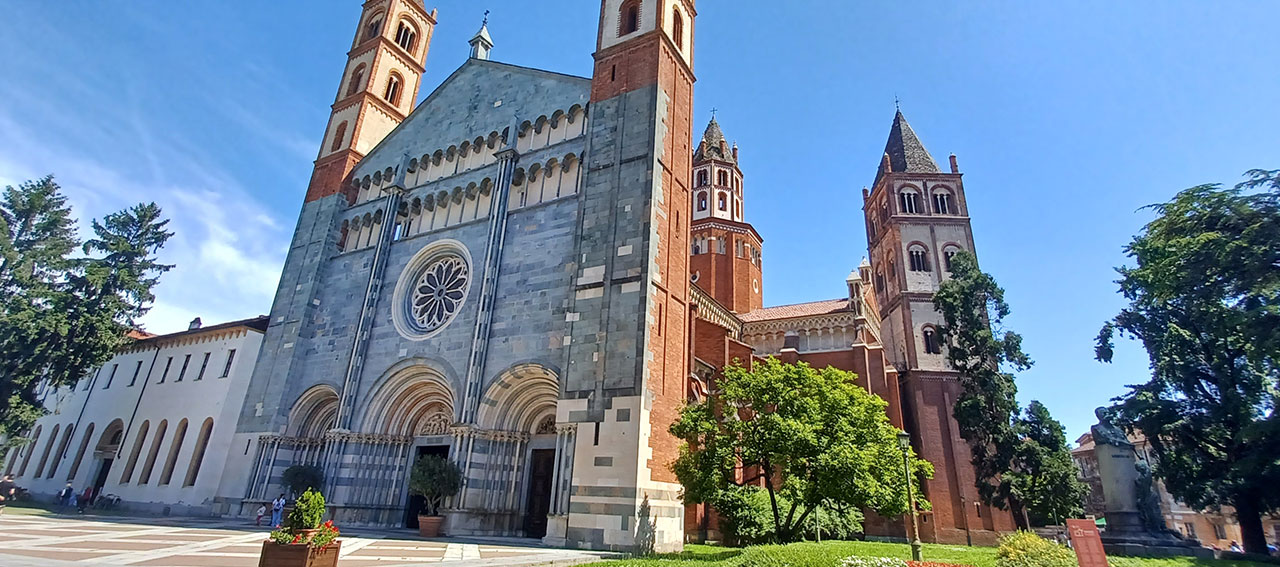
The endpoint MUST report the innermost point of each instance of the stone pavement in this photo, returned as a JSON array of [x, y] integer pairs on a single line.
[[63, 541]]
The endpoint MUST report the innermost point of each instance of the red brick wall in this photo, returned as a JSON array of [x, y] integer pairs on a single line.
[[734, 282]]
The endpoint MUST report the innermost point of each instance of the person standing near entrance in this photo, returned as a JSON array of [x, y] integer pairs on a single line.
[[277, 511]]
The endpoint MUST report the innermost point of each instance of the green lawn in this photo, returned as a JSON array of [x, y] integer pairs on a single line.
[[829, 554]]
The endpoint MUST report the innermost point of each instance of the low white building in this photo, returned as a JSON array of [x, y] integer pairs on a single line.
[[153, 425]]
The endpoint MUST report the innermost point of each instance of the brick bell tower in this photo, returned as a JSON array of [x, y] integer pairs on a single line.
[[916, 219], [378, 89], [726, 254], [627, 363]]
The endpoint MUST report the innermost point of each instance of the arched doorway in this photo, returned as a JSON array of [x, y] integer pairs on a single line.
[[522, 404], [105, 453], [414, 404]]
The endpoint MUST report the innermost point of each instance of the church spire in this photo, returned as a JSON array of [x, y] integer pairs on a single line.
[[904, 151], [481, 43], [713, 145]]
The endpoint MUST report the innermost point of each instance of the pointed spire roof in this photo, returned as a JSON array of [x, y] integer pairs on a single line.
[[713, 145], [905, 152], [481, 43]]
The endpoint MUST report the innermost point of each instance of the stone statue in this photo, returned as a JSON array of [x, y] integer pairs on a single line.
[[1106, 433], [1149, 502]]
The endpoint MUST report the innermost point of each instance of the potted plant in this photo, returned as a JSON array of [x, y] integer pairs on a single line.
[[434, 478], [304, 540]]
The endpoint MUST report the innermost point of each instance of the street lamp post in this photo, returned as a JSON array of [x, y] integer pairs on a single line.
[[904, 441]]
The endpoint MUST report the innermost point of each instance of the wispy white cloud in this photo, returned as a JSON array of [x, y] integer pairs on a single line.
[[227, 248]]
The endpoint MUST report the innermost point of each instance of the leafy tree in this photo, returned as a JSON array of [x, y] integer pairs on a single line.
[[301, 478], [64, 315], [1022, 463], [972, 304], [1044, 476], [812, 438], [1204, 300]]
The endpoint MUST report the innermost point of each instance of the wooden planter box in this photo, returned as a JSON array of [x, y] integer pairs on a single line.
[[277, 555]]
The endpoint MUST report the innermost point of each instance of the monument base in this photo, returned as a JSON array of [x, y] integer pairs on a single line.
[[1126, 535]]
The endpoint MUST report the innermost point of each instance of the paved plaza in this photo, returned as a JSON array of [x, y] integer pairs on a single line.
[[49, 541]]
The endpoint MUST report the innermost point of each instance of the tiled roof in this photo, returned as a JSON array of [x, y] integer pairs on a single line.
[[905, 151], [797, 310]]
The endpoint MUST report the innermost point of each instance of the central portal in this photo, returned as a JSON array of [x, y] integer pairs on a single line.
[[541, 467]]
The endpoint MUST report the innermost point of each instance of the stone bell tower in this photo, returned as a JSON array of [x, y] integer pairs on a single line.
[[625, 377], [378, 88]]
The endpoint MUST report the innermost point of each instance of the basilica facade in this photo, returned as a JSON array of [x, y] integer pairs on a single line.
[[530, 273]]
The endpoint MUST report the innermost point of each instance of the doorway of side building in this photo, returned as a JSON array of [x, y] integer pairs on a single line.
[[415, 502], [538, 503], [101, 480]]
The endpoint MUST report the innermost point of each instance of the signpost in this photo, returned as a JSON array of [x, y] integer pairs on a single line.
[[1087, 543]]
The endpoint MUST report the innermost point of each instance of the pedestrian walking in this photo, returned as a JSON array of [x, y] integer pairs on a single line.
[[262, 511], [7, 490], [277, 511], [84, 499], [67, 497]]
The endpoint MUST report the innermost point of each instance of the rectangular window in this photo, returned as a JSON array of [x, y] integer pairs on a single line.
[[231, 356], [136, 369], [165, 374], [182, 373], [111, 376], [203, 365], [1220, 531], [1191, 530]]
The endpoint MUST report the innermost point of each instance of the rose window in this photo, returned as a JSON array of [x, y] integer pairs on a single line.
[[439, 292]]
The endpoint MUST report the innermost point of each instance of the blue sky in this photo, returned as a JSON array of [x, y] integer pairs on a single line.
[[1067, 119]]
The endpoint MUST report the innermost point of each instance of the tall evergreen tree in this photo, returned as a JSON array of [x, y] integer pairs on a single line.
[[1021, 464], [1044, 476], [1204, 300], [62, 316]]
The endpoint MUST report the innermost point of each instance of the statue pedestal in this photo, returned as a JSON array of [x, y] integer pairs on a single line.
[[1126, 533]]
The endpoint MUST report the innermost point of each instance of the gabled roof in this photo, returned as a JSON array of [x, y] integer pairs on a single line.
[[797, 310], [906, 153], [713, 145]]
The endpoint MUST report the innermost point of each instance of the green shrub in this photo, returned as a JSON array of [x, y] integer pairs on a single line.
[[307, 513], [1026, 549], [434, 478], [301, 478], [746, 518]]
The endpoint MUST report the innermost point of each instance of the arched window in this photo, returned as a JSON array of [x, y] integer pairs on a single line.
[[697, 246], [202, 442], [338, 135], [136, 452], [931, 344], [154, 452], [919, 258], [910, 202], [720, 202], [48, 448], [392, 94], [179, 434], [702, 178], [84, 445], [942, 203], [373, 28], [947, 255], [880, 281], [629, 18], [61, 451], [357, 80], [722, 178], [871, 230], [702, 200], [406, 37], [31, 448], [677, 28]]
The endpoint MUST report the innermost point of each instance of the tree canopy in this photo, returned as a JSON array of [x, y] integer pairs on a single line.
[[1204, 301], [1020, 463], [812, 438], [64, 313]]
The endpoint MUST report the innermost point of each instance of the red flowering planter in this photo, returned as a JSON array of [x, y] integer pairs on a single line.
[[298, 555]]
